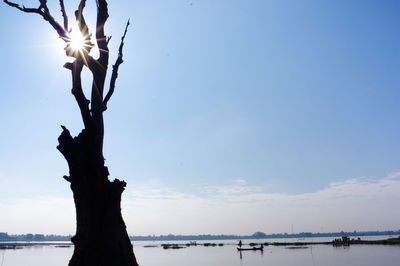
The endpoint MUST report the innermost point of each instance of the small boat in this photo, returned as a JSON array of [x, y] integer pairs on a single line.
[[253, 248]]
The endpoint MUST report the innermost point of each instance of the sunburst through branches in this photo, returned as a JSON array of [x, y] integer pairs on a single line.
[[77, 40]]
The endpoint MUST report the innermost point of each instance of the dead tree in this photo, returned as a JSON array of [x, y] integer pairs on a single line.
[[101, 238]]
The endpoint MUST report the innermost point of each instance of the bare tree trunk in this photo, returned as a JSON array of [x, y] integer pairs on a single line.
[[101, 238]]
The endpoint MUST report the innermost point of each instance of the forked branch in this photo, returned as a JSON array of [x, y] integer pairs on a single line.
[[43, 11], [114, 74], [82, 57], [43, 5], [97, 67]]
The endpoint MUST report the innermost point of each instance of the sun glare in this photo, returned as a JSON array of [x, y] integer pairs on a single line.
[[77, 41]]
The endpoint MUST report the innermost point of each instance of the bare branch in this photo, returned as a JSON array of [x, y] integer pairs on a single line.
[[84, 29], [12, 4], [45, 14], [81, 57], [114, 75], [83, 103], [102, 16], [100, 70], [81, 20], [64, 14], [62, 32]]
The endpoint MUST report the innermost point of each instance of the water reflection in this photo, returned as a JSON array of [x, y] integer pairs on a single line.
[[312, 256], [2, 257], [228, 254]]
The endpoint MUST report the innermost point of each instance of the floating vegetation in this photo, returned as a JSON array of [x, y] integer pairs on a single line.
[[10, 247], [172, 246], [258, 244], [213, 244], [297, 247], [191, 243], [290, 243]]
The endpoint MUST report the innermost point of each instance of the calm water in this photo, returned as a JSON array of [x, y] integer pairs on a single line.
[[324, 255]]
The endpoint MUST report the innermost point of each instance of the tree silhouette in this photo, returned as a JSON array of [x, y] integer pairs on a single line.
[[101, 238]]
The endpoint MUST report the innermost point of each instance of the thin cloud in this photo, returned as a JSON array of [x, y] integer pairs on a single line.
[[354, 204], [239, 208]]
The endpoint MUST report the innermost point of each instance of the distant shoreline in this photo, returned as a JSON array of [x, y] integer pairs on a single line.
[[4, 237], [261, 235]]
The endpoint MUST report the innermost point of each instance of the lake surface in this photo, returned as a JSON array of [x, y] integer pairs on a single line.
[[324, 255]]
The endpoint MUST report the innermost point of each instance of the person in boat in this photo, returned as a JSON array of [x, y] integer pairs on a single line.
[[240, 243]]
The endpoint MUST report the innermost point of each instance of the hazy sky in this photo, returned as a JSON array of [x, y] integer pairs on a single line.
[[228, 117]]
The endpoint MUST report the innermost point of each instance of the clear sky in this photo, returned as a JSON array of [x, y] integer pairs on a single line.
[[228, 117]]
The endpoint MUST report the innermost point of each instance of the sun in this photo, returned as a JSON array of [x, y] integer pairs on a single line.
[[77, 41]]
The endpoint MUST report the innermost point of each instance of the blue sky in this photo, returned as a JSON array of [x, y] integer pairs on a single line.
[[217, 102]]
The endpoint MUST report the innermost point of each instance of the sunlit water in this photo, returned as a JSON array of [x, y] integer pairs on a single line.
[[324, 255]]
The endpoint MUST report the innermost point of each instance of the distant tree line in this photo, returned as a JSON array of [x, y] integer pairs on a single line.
[[33, 237], [261, 235], [257, 235]]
